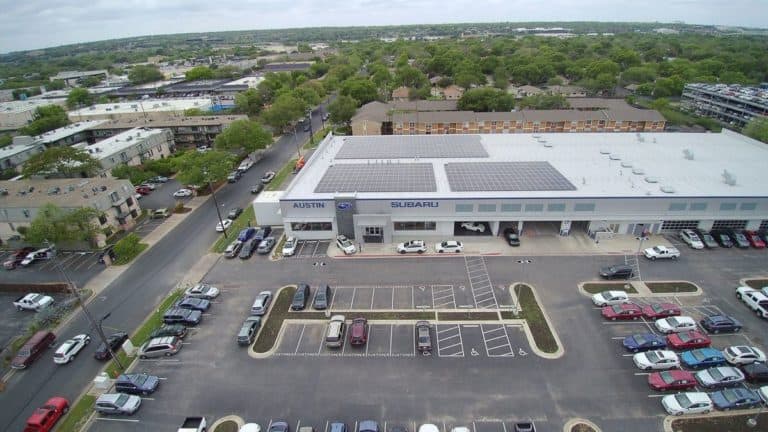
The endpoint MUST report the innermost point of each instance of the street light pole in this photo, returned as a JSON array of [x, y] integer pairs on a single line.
[[218, 213], [298, 147], [309, 116]]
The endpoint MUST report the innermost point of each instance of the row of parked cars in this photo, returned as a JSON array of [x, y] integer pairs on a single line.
[[373, 426], [250, 240], [700, 239]]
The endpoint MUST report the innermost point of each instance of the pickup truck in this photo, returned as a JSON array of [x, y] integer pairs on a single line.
[[33, 302], [193, 424], [754, 299], [661, 252]]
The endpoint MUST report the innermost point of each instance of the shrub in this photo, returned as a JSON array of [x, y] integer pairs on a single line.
[[128, 248]]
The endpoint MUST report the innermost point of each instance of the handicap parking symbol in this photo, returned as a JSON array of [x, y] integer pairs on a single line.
[[474, 353]]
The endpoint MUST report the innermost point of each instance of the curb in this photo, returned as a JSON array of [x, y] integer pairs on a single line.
[[237, 419], [743, 281], [268, 353], [643, 287], [437, 255], [560, 350], [574, 421], [667, 423]]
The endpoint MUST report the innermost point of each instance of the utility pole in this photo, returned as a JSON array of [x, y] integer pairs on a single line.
[[309, 117], [218, 212]]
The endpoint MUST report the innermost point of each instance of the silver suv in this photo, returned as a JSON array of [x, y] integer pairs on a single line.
[[158, 347], [117, 403]]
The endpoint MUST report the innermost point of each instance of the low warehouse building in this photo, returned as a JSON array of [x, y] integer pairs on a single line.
[[371, 188]]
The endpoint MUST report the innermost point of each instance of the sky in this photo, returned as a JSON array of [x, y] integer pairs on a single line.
[[31, 24]]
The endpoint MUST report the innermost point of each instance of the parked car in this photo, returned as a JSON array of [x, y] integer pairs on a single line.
[[334, 335], [248, 248], [368, 426], [674, 379], [412, 246], [158, 179], [159, 347], [661, 252], [33, 302], [707, 238], [423, 337], [754, 239], [143, 190], [248, 330], [449, 246], [234, 212], [265, 246], [115, 342], [735, 398], [609, 298], [149, 185], [161, 213], [661, 310], [17, 257], [616, 272], [289, 247], [655, 360], [223, 225], [675, 324], [183, 193], [203, 291], [255, 189], [279, 426], [720, 324], [643, 342], [261, 304], [723, 239], [193, 303], [33, 348], [322, 295], [40, 254], [300, 297], [44, 418], [691, 239], [524, 426], [701, 358], [510, 235], [358, 331], [234, 176], [428, 427], [739, 239], [262, 232], [346, 246], [622, 311], [178, 330], [182, 316], [69, 349], [723, 376], [687, 403], [688, 340], [137, 384], [267, 177], [117, 403], [755, 372], [245, 234], [473, 226], [233, 249], [742, 354]]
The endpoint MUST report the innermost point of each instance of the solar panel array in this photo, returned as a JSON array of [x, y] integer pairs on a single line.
[[407, 177], [505, 176], [420, 146]]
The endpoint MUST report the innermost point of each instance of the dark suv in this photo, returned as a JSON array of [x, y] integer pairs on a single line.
[[358, 331], [137, 384], [182, 316], [720, 323], [510, 235], [321, 297], [300, 297], [262, 233], [423, 337], [616, 272], [115, 341], [722, 238]]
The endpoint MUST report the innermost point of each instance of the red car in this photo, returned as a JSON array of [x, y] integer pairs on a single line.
[[754, 240], [358, 331], [45, 417], [661, 310], [15, 260], [622, 311], [143, 190], [688, 340], [674, 379]]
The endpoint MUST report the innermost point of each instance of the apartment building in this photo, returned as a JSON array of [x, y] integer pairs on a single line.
[[131, 147], [188, 131]]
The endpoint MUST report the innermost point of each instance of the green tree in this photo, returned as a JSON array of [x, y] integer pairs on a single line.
[[486, 99], [199, 73], [79, 98], [55, 85], [283, 111], [319, 69], [757, 128], [304, 48], [626, 58], [409, 76], [501, 78], [638, 75], [342, 109], [599, 67], [467, 73], [90, 81], [61, 161], [135, 174], [544, 101], [249, 102], [46, 118], [141, 74], [666, 87], [5, 140], [360, 89], [201, 168], [243, 136], [307, 94], [59, 226]]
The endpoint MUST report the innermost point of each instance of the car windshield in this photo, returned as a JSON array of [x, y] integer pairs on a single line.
[[683, 400], [698, 355], [684, 337], [716, 374], [121, 400], [640, 340], [139, 380], [673, 322], [652, 356], [616, 308], [657, 308], [730, 395], [667, 377], [423, 339]]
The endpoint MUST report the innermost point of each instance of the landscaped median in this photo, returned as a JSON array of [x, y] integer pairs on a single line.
[[672, 287], [78, 414], [539, 326], [598, 287], [237, 225], [719, 422]]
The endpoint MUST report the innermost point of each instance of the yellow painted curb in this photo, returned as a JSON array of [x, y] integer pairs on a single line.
[[560, 350]]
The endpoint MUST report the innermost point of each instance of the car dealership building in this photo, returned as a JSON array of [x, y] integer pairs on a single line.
[[371, 188]]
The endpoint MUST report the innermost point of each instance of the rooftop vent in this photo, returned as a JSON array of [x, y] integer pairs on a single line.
[[667, 189], [626, 164], [729, 178], [614, 156], [638, 171], [688, 154], [652, 179], [605, 151]]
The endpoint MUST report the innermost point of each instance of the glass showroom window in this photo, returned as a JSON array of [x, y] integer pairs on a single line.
[[415, 226], [312, 226]]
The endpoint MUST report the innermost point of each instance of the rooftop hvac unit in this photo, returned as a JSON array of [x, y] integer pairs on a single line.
[[667, 189], [729, 178], [688, 154], [626, 164], [638, 171], [652, 179], [614, 156], [605, 151]]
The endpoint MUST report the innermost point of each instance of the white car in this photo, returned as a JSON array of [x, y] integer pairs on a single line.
[[343, 243], [449, 246], [687, 403], [473, 226], [675, 324], [610, 298], [182, 193], [224, 224], [691, 239], [656, 360], [763, 392], [203, 291], [289, 247], [267, 177], [417, 246], [138, 196], [69, 349], [719, 377], [428, 427], [742, 354]]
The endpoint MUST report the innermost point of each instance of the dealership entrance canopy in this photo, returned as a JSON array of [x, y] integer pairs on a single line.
[[370, 188]]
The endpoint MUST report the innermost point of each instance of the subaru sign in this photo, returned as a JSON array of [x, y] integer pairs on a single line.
[[414, 204], [344, 205]]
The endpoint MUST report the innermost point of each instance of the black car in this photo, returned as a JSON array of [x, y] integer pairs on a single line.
[[616, 272], [720, 324], [423, 337], [739, 239], [177, 330], [525, 427], [756, 372], [248, 248], [234, 212], [257, 188], [182, 316], [706, 238], [137, 384], [262, 232], [234, 176], [193, 303], [510, 235], [322, 295], [115, 341], [248, 331], [300, 297], [279, 426], [723, 239]]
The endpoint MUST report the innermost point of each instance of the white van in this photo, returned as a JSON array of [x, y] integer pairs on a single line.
[[334, 337]]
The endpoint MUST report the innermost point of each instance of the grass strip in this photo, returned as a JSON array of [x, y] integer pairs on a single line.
[[597, 287], [270, 327], [581, 427], [467, 316], [671, 287], [757, 283], [239, 223], [733, 423], [75, 418], [531, 312], [318, 136], [281, 175]]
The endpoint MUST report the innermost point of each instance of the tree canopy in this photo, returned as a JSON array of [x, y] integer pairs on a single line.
[[200, 168], [79, 98], [46, 118], [543, 101], [63, 162], [141, 74], [199, 73], [342, 109], [486, 99], [757, 129], [61, 226], [283, 111], [243, 136]]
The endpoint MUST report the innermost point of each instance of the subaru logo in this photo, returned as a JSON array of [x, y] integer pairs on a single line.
[[344, 205]]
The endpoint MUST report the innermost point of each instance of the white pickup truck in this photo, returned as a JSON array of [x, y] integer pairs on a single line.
[[661, 252], [754, 299], [193, 424], [33, 302]]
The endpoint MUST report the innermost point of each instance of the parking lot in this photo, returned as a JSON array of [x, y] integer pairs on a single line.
[[311, 249]]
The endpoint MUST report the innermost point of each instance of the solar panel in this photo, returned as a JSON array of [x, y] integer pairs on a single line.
[[407, 177], [505, 176], [411, 147]]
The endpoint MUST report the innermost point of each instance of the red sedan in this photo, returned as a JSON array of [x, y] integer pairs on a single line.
[[754, 240], [45, 417], [622, 311], [688, 340], [143, 190], [672, 380], [661, 310]]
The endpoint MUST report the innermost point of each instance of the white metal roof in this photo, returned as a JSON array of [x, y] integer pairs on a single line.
[[63, 132], [119, 142], [27, 105], [144, 105], [597, 164]]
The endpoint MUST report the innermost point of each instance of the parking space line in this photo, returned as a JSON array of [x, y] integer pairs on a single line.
[[391, 330], [413, 298], [368, 343], [298, 425], [117, 419], [298, 343], [326, 426], [352, 303], [503, 426], [393, 297], [322, 341], [333, 297], [373, 296]]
